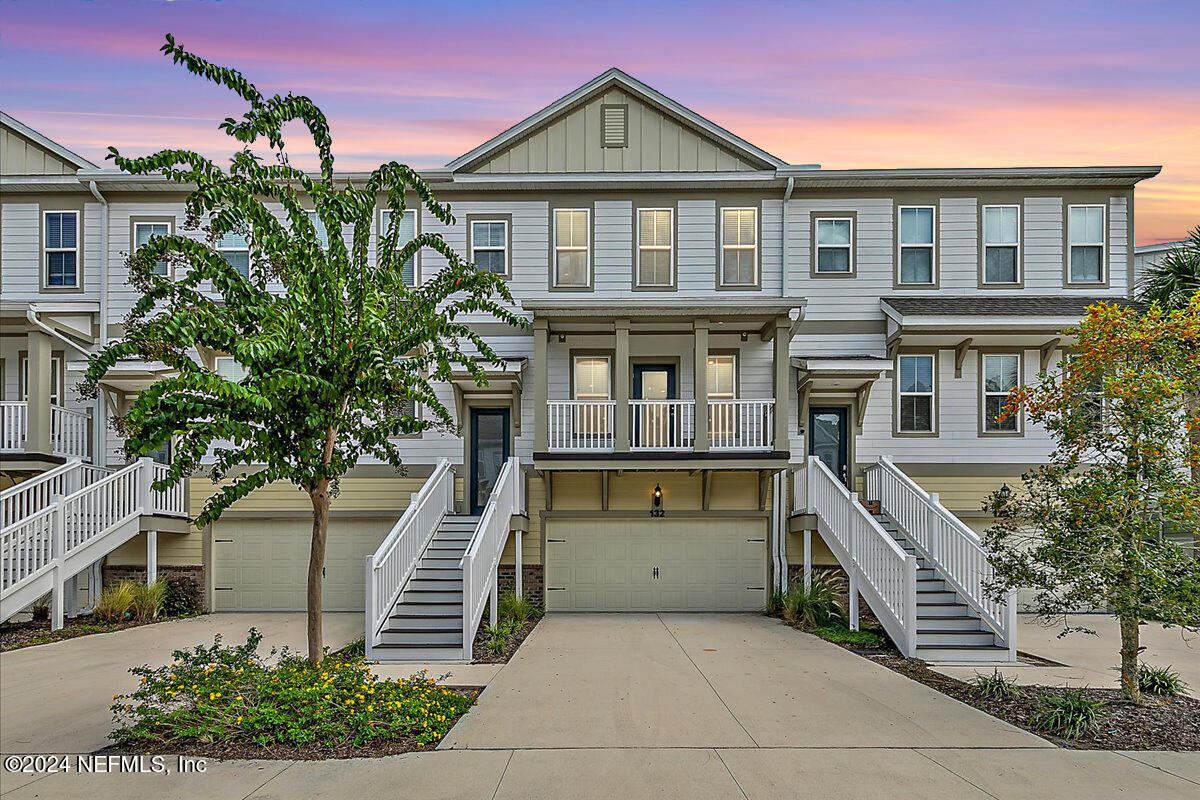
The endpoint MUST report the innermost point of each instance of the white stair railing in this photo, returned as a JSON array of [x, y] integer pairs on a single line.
[[390, 566], [70, 432], [480, 561], [14, 425], [878, 567], [946, 542], [27, 497]]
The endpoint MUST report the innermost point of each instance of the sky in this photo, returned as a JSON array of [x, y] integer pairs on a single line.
[[903, 83]]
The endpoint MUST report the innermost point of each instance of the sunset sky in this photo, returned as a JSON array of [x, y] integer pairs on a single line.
[[843, 84]]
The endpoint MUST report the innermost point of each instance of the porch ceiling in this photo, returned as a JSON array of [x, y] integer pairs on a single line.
[[654, 316]]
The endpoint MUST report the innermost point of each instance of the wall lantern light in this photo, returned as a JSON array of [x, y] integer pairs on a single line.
[[657, 498]]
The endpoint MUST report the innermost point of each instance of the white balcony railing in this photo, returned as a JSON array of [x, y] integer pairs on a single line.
[[741, 424], [584, 426], [70, 431], [14, 425], [662, 424]]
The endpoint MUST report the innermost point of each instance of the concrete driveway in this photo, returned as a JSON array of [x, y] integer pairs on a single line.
[[54, 698]]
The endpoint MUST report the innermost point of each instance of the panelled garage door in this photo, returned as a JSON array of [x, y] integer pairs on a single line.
[[262, 564], [656, 564]]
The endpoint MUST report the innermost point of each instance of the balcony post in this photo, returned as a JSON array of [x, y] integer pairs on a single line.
[[541, 383], [783, 327], [700, 378], [37, 390], [621, 386]]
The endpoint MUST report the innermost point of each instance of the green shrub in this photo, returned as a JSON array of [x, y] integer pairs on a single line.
[[1070, 714], [517, 608], [40, 609], [184, 597], [115, 602], [1162, 681], [775, 603], [148, 599], [995, 686], [222, 693], [500, 636], [819, 605], [356, 649], [840, 633]]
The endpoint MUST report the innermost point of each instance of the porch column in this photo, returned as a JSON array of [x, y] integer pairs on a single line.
[[700, 378], [783, 327], [621, 386], [541, 383], [37, 387]]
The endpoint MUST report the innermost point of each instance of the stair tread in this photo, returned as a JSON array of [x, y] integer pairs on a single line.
[[961, 647]]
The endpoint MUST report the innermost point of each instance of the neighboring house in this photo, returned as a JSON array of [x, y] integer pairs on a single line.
[[704, 317], [1149, 255]]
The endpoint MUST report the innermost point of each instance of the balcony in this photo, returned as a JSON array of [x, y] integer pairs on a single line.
[[70, 431], [668, 426]]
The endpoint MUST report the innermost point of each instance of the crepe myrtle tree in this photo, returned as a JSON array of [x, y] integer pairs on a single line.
[[332, 342], [1089, 528]]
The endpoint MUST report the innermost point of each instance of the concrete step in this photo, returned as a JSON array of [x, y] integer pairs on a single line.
[[416, 654], [942, 638], [424, 638], [935, 596], [962, 653], [932, 609], [410, 595], [960, 623]]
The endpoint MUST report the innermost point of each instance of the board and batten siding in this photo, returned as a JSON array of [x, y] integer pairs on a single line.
[[20, 156]]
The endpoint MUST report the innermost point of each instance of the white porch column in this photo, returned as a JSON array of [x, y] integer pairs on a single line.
[[807, 559], [621, 386], [517, 588], [541, 383], [37, 389], [151, 556], [783, 327], [700, 378]]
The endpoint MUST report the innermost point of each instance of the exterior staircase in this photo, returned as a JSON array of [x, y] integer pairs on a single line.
[[426, 623], [948, 630]]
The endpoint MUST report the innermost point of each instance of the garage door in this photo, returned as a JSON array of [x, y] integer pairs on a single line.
[[656, 564], [262, 564]]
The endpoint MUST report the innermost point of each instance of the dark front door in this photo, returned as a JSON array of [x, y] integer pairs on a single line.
[[489, 451], [828, 438], [655, 424]]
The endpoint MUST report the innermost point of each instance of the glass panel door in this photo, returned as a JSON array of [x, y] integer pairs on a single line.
[[828, 439], [489, 451], [654, 424]]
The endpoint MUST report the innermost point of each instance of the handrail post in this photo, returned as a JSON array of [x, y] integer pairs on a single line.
[[910, 606], [467, 629], [932, 519], [58, 544], [370, 611], [810, 470], [1010, 624], [145, 479]]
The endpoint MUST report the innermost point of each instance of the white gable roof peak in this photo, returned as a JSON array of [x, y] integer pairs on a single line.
[[49, 144]]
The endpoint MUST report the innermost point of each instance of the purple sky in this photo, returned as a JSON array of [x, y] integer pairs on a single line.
[[843, 84]]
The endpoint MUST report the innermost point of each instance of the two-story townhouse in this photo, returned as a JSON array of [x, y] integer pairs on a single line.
[[704, 317]]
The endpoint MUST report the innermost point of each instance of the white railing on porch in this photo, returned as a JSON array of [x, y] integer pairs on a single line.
[[482, 558], [14, 425], [580, 425], [662, 424], [741, 424], [391, 565], [172, 501], [878, 567], [946, 542], [70, 430], [27, 497]]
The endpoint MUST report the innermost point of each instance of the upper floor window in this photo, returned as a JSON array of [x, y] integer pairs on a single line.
[[722, 377], [322, 234], [835, 245], [1001, 244], [654, 257], [917, 245], [407, 232], [60, 243], [229, 368], [143, 232], [915, 393], [1001, 374], [739, 246], [592, 378], [489, 245], [235, 249], [1085, 242], [572, 243]]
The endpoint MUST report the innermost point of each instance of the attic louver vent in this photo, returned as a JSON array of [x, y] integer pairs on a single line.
[[615, 125]]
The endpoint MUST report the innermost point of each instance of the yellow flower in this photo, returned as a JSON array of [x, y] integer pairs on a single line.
[[370, 708], [326, 697], [212, 695], [239, 720], [349, 702], [239, 697]]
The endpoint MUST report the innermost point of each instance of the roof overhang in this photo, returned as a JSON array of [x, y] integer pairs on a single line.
[[133, 377], [500, 380], [1120, 176], [599, 316]]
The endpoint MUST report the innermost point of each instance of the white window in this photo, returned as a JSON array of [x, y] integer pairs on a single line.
[[1085, 237], [143, 232], [489, 245], [1001, 374], [1002, 244], [739, 246], [592, 382], [234, 248], [654, 257], [60, 244], [56, 380], [722, 377], [835, 245], [915, 402], [322, 234], [229, 369], [408, 232], [572, 239], [917, 245]]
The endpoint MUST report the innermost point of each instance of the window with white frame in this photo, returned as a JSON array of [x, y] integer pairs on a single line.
[[60, 245], [593, 376], [721, 379], [322, 234], [739, 246], [835, 245], [572, 242], [1002, 244], [489, 245], [1085, 238], [655, 242], [229, 368], [1001, 374], [407, 232], [917, 245], [143, 232], [235, 249], [914, 393], [56, 380]]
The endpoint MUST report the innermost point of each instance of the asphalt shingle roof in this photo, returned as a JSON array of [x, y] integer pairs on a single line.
[[1020, 305]]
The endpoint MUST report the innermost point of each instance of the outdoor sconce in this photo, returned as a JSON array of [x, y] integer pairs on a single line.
[[745, 336], [562, 337], [657, 509]]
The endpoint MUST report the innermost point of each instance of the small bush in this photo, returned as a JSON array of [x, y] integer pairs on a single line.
[[500, 636], [516, 608], [995, 686], [1070, 715], [818, 606], [115, 602], [184, 597], [223, 693], [148, 599], [839, 633], [775, 603], [356, 649], [40, 610], [1162, 681]]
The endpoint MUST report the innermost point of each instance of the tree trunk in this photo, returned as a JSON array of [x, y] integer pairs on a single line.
[[316, 568], [1129, 658]]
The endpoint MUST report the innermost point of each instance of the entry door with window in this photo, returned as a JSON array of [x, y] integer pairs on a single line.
[[828, 438], [655, 423], [489, 451]]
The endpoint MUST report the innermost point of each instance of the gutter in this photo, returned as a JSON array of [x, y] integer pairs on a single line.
[[100, 415], [32, 316], [787, 196]]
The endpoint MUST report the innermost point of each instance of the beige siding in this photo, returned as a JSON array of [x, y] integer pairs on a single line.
[[966, 495], [174, 549], [355, 494], [20, 156]]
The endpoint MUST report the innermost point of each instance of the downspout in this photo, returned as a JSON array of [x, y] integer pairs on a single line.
[[100, 415], [779, 545], [787, 196]]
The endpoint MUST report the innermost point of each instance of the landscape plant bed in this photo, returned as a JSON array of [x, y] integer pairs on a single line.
[[18, 635], [483, 655]]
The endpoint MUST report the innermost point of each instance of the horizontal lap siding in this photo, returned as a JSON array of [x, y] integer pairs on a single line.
[[843, 298]]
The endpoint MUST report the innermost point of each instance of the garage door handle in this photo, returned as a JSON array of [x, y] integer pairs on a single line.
[[559, 541], [222, 541], [756, 540]]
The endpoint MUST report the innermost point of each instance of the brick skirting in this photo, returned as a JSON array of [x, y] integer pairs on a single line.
[[532, 579], [115, 573]]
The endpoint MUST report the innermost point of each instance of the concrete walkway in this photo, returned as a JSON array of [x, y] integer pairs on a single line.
[[55, 698]]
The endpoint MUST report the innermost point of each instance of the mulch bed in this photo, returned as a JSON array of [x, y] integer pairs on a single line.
[[484, 656], [17, 635]]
